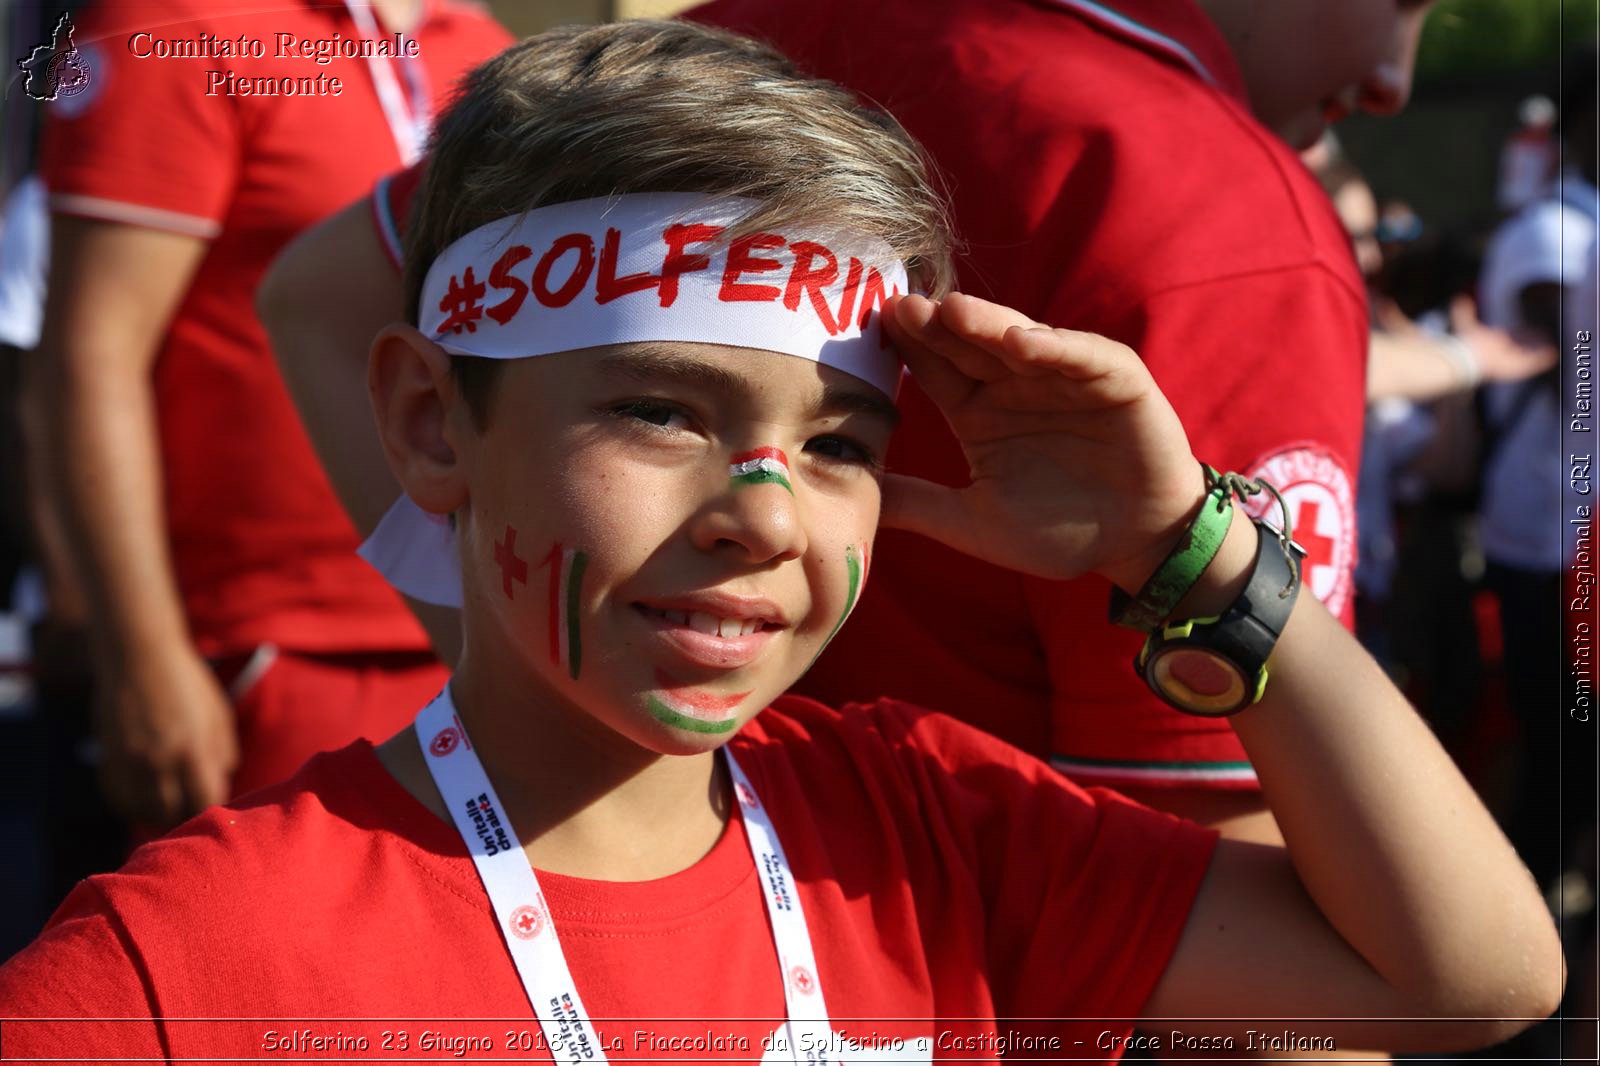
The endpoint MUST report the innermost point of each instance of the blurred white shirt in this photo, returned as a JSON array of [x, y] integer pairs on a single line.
[[24, 262], [1524, 508]]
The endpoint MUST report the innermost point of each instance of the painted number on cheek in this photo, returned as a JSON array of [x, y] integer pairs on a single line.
[[566, 585]]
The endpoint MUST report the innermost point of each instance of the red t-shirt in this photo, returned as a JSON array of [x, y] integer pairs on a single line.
[[1107, 176], [947, 880], [262, 550]]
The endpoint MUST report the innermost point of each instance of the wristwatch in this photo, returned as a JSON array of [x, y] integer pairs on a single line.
[[1218, 666]]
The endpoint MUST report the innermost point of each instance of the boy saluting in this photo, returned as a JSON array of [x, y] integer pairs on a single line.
[[654, 274]]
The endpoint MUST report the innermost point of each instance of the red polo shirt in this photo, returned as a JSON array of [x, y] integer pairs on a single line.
[[261, 548], [1106, 175]]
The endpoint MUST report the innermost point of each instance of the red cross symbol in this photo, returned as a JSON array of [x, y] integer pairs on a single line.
[[445, 741], [511, 568], [1319, 549], [526, 922], [802, 980]]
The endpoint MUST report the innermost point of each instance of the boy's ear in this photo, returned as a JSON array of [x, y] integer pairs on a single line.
[[413, 397]]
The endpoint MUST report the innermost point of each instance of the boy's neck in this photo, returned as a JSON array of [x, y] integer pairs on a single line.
[[585, 802]]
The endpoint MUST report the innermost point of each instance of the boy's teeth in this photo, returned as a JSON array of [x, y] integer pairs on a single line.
[[703, 622]]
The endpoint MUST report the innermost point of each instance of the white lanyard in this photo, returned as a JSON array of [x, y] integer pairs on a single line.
[[529, 929], [407, 124]]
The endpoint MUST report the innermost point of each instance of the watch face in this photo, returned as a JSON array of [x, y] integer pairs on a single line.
[[1197, 680]]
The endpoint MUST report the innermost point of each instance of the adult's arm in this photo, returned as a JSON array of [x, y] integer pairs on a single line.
[[1406, 362], [324, 299], [165, 725]]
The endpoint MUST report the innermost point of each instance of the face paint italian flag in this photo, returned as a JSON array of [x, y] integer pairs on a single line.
[[686, 707], [761, 467], [856, 562], [566, 584]]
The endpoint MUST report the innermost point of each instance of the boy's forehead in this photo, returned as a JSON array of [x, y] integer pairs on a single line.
[[734, 371]]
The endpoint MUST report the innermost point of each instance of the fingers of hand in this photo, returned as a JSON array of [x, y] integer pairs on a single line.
[[926, 339], [205, 782], [1463, 314], [923, 507], [907, 319], [142, 793], [1077, 356], [986, 343]]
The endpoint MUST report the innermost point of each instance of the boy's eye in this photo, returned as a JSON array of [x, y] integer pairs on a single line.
[[665, 415], [841, 450]]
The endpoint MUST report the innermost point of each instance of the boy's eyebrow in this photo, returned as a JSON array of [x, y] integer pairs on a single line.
[[648, 362], [867, 401]]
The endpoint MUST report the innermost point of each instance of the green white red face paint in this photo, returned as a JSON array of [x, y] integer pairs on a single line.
[[857, 559], [760, 466], [566, 586], [694, 709]]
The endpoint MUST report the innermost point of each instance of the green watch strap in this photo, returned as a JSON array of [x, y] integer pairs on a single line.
[[1179, 572]]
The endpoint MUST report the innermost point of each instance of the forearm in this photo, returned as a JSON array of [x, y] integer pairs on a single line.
[[327, 295], [325, 298], [328, 381], [1418, 369], [1388, 839], [97, 464]]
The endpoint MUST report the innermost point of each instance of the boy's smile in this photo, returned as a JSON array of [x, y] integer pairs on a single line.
[[714, 629]]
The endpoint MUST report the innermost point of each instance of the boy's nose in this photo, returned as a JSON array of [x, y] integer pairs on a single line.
[[761, 522], [1386, 90]]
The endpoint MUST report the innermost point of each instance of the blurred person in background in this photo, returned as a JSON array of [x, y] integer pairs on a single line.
[[1530, 156], [1414, 609], [1533, 279], [57, 827], [216, 564]]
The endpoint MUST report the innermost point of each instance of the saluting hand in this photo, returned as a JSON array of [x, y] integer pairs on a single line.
[[1079, 464]]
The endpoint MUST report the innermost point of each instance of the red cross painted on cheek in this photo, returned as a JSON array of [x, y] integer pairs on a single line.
[[511, 567]]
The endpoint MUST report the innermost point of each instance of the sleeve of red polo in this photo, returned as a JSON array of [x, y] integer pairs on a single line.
[[1267, 364], [1267, 373], [391, 210], [143, 143]]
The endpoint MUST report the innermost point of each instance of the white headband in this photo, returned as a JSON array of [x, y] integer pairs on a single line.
[[625, 269], [649, 267]]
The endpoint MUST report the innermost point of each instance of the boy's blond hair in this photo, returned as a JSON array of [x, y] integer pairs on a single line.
[[653, 106]]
